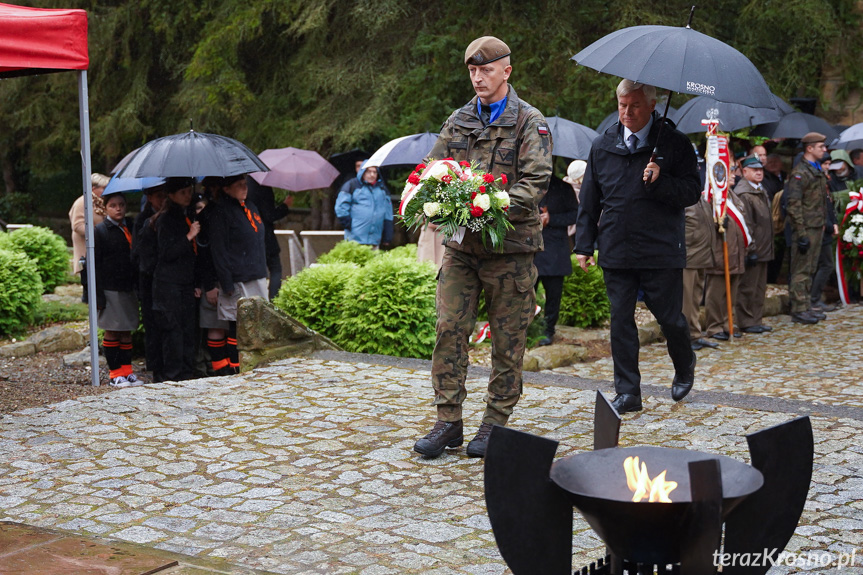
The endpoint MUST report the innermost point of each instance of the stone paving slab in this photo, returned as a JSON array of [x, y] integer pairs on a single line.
[[306, 466], [817, 363]]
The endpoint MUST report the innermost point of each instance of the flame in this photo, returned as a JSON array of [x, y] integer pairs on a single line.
[[639, 482]]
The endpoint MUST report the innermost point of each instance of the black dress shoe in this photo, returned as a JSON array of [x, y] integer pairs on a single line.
[[444, 434], [476, 447], [696, 344], [682, 382], [803, 317], [817, 314], [626, 402], [707, 343], [757, 329], [738, 333], [720, 335], [545, 341], [823, 307]]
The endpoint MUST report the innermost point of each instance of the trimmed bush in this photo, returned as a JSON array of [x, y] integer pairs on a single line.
[[584, 302], [45, 248], [348, 252], [407, 251], [20, 291], [315, 296], [389, 308]]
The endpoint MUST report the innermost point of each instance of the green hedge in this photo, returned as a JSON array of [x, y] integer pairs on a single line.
[[46, 249], [348, 252], [584, 302], [20, 291], [314, 296], [389, 308]]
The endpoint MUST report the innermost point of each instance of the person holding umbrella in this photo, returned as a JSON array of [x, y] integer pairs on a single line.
[[365, 210], [641, 197]]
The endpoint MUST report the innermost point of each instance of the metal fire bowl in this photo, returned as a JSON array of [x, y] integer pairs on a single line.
[[645, 532]]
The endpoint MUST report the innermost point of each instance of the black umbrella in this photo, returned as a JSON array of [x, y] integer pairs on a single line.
[[571, 139], [192, 154], [345, 162], [796, 125], [851, 138], [680, 60], [404, 151], [731, 116]]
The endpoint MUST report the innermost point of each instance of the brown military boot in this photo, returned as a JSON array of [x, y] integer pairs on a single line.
[[477, 445], [444, 434]]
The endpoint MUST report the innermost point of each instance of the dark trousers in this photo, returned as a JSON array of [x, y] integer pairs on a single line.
[[175, 313], [152, 341], [553, 292], [823, 269], [663, 295], [274, 266]]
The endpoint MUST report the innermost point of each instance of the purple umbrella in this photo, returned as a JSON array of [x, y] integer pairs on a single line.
[[295, 170]]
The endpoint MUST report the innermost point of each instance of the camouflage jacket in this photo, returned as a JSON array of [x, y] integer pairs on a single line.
[[805, 192], [518, 144]]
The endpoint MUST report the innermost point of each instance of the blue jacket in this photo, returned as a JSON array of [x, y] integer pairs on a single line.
[[367, 210]]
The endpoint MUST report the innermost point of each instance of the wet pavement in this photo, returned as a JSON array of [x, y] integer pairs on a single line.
[[306, 466]]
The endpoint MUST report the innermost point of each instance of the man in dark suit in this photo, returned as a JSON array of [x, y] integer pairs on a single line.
[[640, 237]]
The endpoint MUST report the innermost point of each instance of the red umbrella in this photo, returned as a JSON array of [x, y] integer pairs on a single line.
[[295, 170]]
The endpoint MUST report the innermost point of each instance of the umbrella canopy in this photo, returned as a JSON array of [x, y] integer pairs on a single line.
[[571, 140], [851, 138], [117, 185], [345, 162], [122, 163], [731, 116], [295, 169], [404, 151], [192, 154], [796, 125], [680, 60]]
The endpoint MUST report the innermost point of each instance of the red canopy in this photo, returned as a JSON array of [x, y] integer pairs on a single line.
[[36, 40]]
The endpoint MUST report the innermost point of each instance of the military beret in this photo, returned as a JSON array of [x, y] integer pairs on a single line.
[[813, 138], [484, 50], [752, 162]]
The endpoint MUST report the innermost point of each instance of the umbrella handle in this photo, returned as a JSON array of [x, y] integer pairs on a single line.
[[659, 135]]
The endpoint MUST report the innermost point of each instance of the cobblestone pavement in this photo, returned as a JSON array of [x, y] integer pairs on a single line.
[[306, 466], [818, 363]]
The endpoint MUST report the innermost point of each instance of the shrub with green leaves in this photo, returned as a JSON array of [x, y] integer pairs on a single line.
[[348, 252], [584, 302], [389, 308], [46, 249], [20, 291], [407, 251], [315, 296]]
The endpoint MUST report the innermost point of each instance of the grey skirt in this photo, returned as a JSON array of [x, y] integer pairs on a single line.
[[228, 303], [208, 317], [120, 313]]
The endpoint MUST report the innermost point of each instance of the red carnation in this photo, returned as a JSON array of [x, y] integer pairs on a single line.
[[420, 167], [503, 179], [447, 179], [505, 208], [414, 178], [450, 159], [464, 164], [476, 211], [488, 178], [472, 195], [482, 189]]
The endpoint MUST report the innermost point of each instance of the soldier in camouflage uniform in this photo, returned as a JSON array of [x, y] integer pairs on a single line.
[[501, 134], [805, 193]]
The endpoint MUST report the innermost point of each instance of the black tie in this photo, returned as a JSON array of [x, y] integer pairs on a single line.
[[633, 143], [485, 114]]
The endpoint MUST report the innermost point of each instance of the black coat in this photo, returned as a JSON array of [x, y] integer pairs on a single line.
[[236, 244], [112, 253], [263, 199], [176, 264], [562, 206], [637, 226]]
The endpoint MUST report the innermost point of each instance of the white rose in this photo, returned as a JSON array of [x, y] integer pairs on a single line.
[[482, 201], [856, 219], [502, 198], [431, 209], [848, 236], [437, 171]]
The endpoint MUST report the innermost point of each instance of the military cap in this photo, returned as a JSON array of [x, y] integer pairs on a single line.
[[752, 162], [484, 50], [813, 138]]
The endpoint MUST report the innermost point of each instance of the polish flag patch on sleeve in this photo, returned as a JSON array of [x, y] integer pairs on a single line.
[[543, 130]]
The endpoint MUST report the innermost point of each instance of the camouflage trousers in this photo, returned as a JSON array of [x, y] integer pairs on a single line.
[[802, 268], [508, 282]]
